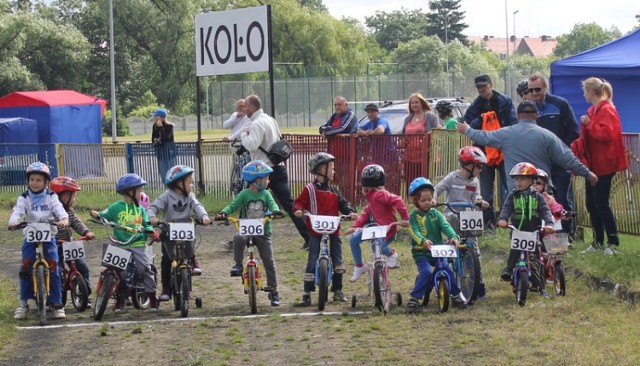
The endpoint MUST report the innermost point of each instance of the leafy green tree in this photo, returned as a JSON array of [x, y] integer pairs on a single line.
[[584, 36], [398, 26], [446, 20]]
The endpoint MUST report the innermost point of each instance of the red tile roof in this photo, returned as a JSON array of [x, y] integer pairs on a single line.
[[537, 47]]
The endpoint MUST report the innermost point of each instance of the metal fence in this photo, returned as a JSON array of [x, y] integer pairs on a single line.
[[404, 157]]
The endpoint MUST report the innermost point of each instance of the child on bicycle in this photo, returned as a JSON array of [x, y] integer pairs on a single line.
[[67, 189], [427, 227], [176, 204], [542, 185], [462, 185], [526, 208], [322, 198], [381, 209], [128, 212], [39, 205], [253, 203]]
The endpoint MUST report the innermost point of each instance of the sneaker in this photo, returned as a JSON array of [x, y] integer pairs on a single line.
[[506, 275], [594, 247], [119, 307], [195, 269], [358, 272], [306, 300], [458, 302], [545, 294], [611, 250], [165, 294], [89, 304], [228, 245], [154, 304], [305, 246], [58, 312], [413, 305], [236, 270], [21, 312], [338, 296], [275, 298], [340, 268], [393, 261]]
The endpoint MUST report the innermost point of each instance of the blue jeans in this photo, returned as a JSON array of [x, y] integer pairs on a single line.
[[26, 281], [424, 282], [487, 179], [355, 241], [562, 187], [335, 252]]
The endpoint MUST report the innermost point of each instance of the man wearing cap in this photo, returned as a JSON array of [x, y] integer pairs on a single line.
[[526, 141], [382, 149], [162, 140], [490, 100], [374, 125]]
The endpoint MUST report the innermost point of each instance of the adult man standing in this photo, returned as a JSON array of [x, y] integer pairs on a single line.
[[343, 121], [262, 132], [528, 142], [489, 100], [236, 121], [555, 114], [382, 150]]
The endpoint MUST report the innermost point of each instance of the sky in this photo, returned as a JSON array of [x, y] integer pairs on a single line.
[[487, 17]]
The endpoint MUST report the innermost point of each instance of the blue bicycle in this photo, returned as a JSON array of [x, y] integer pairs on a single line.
[[443, 278]]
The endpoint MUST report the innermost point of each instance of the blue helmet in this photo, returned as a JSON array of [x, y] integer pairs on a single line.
[[418, 184], [254, 170], [129, 181], [176, 174], [160, 112], [39, 168]]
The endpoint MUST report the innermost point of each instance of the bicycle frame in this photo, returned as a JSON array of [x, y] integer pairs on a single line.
[[523, 265], [69, 273]]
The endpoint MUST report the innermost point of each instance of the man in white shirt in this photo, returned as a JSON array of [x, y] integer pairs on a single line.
[[236, 122]]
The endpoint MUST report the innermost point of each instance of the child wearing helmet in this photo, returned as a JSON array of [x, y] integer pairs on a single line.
[[322, 198], [128, 212], [66, 188], [39, 205], [463, 185], [526, 209], [254, 202], [542, 185], [445, 112], [523, 89], [382, 209], [176, 204], [427, 227]]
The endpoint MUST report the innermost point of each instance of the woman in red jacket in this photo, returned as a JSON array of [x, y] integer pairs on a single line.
[[602, 136]]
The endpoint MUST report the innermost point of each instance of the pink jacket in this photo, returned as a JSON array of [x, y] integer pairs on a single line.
[[382, 209], [554, 206]]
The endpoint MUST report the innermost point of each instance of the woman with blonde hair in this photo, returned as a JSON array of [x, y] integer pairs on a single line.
[[421, 120], [601, 134]]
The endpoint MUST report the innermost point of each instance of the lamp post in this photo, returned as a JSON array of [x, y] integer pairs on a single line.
[[446, 48], [514, 35], [114, 127]]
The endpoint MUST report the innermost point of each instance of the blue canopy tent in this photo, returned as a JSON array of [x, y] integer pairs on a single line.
[[618, 62], [18, 148]]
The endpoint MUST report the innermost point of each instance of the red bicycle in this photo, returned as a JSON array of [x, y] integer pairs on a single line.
[[552, 257], [72, 279]]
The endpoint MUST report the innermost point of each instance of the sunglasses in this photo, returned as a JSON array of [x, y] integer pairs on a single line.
[[535, 90]]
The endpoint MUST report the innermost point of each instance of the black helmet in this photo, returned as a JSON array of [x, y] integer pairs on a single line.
[[372, 176], [319, 159], [522, 87], [444, 107]]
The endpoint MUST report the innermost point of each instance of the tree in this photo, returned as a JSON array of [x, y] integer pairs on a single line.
[[398, 26], [584, 37], [445, 20]]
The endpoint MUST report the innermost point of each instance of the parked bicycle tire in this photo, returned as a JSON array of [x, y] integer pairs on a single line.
[[103, 296], [79, 293], [175, 285], [253, 288], [559, 279], [323, 286], [235, 184], [469, 281], [522, 287], [184, 292], [386, 291], [377, 285], [41, 296], [443, 294]]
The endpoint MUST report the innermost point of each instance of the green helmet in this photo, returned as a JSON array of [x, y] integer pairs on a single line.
[[319, 159]]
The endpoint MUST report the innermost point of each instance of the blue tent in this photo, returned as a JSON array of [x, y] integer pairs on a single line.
[[18, 130], [618, 62]]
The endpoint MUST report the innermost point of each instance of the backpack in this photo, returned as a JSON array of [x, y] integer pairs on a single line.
[[490, 122]]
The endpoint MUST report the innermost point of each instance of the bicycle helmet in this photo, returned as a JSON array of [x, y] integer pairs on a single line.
[[372, 176], [418, 184], [319, 159], [63, 184], [128, 182], [444, 107], [39, 168], [543, 175], [176, 174], [254, 170], [522, 87], [471, 155], [524, 169], [144, 200]]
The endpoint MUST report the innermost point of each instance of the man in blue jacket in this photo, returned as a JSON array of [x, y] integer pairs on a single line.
[[490, 100]]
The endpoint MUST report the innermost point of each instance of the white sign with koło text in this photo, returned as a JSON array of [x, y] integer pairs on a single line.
[[232, 41]]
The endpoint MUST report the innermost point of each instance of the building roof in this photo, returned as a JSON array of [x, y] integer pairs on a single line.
[[48, 98], [536, 47]]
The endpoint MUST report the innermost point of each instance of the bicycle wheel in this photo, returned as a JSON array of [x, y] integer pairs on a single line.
[[184, 292], [103, 296], [323, 285], [377, 285], [386, 290], [173, 290], [63, 279], [443, 294], [468, 275], [79, 293], [139, 298], [41, 294], [253, 288], [559, 280], [522, 287]]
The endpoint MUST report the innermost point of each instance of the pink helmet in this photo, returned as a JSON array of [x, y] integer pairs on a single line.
[[144, 200]]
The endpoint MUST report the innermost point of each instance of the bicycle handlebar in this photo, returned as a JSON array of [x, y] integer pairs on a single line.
[[130, 230], [24, 224], [456, 207]]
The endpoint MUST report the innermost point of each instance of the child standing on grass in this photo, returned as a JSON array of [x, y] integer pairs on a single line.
[[462, 185], [322, 198], [381, 209], [176, 204], [253, 203], [427, 227], [39, 205], [67, 188], [128, 212]]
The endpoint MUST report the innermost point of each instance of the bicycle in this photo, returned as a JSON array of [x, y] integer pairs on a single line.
[[72, 279], [180, 243], [325, 225], [38, 234], [251, 273], [120, 276], [527, 244], [242, 157], [378, 280], [552, 258]]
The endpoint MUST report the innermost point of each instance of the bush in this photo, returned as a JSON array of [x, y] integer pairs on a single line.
[[122, 128]]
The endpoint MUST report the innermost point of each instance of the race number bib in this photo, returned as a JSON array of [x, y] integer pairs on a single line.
[[182, 231], [38, 232], [324, 224], [524, 240], [73, 250], [251, 227], [116, 257], [374, 232], [471, 220], [444, 251]]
